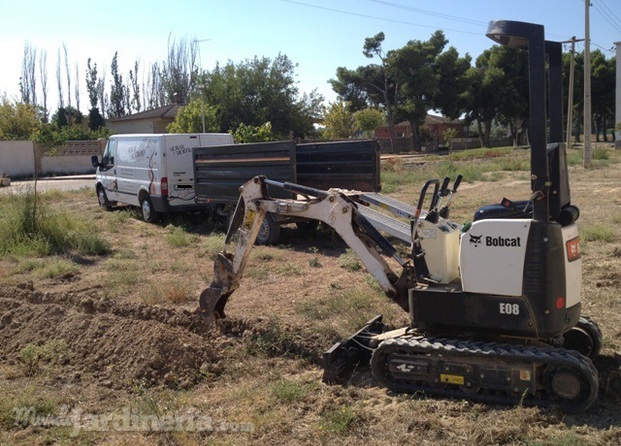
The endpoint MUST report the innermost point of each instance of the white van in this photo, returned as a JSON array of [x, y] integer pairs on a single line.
[[152, 172]]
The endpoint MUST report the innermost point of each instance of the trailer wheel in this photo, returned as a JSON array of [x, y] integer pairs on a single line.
[[269, 231], [102, 198], [146, 210]]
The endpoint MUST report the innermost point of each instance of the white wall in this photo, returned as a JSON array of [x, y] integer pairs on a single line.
[[58, 165], [17, 158]]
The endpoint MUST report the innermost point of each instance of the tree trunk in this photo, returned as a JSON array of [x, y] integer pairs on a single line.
[[487, 132], [480, 129], [391, 129], [415, 136], [597, 122]]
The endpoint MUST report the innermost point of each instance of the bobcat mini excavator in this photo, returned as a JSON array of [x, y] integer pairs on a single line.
[[494, 305]]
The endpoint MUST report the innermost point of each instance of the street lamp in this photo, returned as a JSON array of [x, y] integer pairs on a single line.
[[201, 88]]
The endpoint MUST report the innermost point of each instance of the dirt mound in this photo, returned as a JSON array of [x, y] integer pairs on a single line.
[[118, 345]]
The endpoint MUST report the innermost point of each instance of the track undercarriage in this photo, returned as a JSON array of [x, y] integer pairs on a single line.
[[493, 372]]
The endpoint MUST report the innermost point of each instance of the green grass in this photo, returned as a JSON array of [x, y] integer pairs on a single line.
[[338, 420], [174, 291], [350, 261], [30, 228], [17, 410], [177, 236], [31, 355], [288, 269], [287, 392], [213, 244], [597, 233], [59, 268]]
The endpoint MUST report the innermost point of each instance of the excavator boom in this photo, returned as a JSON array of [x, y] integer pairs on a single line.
[[335, 207]]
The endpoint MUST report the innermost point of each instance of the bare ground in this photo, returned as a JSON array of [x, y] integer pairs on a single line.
[[116, 335]]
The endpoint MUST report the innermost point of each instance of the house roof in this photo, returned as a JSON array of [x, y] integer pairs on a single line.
[[168, 111], [433, 119], [429, 120]]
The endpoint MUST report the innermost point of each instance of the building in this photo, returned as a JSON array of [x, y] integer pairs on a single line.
[[435, 127], [150, 121]]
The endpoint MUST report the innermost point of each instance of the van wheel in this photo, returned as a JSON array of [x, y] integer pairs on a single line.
[[146, 210], [104, 203], [269, 232]]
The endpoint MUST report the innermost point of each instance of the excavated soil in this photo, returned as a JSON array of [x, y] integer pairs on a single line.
[[119, 345], [116, 344]]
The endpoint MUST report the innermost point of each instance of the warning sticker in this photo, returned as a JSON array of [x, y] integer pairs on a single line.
[[452, 379]]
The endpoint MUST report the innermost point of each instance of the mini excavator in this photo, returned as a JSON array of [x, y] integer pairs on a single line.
[[495, 305]]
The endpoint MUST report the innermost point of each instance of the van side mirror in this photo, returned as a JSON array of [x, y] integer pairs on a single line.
[[95, 161]]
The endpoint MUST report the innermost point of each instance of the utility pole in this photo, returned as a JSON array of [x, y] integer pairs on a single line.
[[570, 93], [618, 99], [588, 163]]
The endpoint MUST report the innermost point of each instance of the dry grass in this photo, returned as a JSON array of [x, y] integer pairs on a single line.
[[295, 300]]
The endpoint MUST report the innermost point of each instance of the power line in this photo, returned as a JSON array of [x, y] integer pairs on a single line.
[[610, 12], [340, 11], [605, 16], [431, 13]]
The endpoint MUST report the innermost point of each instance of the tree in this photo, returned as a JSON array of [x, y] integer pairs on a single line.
[[18, 120], [135, 103], [95, 120], [430, 78], [43, 75], [118, 106], [409, 82], [91, 83], [340, 123], [451, 96], [28, 81], [372, 84], [484, 96], [178, 74], [261, 90], [61, 101], [252, 133], [368, 120], [68, 74], [189, 118], [513, 104], [77, 87], [602, 84], [578, 89]]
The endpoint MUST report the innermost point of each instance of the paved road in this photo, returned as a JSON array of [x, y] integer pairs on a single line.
[[73, 182]]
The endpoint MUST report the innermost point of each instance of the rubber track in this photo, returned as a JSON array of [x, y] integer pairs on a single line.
[[452, 349]]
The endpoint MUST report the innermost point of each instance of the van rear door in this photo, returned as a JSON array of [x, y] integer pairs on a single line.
[[180, 168]]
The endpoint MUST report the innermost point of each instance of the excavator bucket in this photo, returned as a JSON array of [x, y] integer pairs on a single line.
[[229, 264], [213, 299]]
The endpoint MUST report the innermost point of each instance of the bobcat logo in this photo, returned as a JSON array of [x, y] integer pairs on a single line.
[[476, 239]]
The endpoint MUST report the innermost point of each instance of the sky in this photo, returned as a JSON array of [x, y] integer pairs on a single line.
[[317, 35]]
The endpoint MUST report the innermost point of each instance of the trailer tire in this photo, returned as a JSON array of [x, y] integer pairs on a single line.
[[269, 231], [147, 212]]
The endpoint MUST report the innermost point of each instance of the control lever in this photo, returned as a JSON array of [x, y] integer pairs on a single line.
[[444, 212]]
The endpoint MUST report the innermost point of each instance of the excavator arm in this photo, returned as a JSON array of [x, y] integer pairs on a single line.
[[336, 208]]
